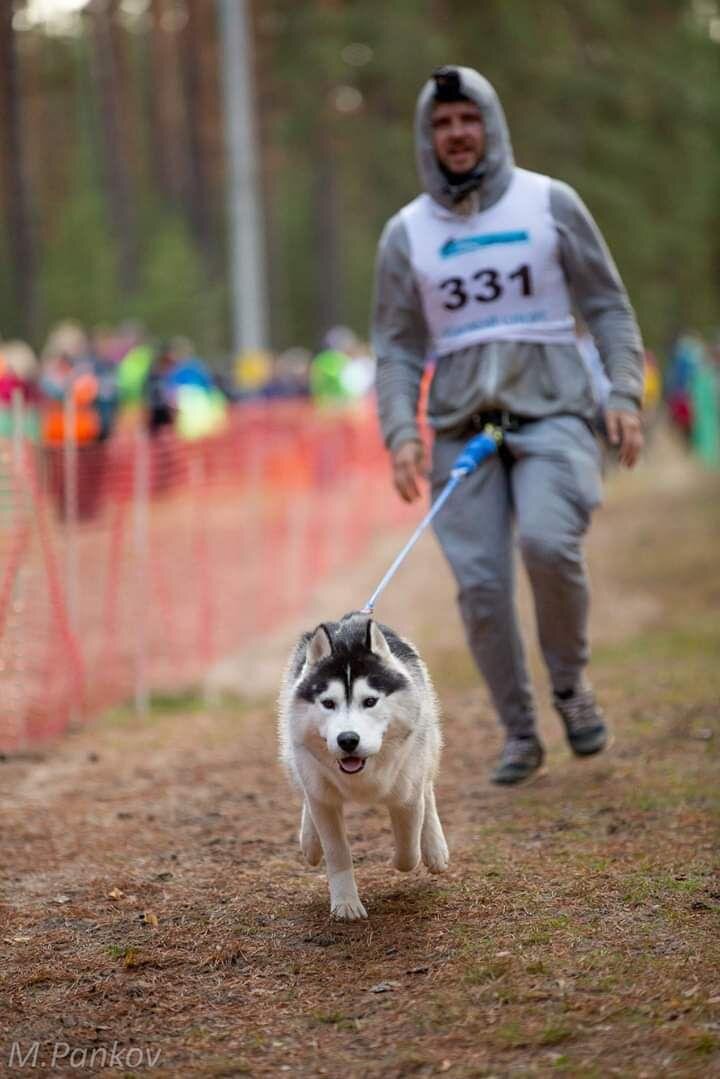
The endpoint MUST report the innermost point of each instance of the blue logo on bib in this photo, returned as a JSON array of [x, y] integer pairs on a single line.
[[471, 243]]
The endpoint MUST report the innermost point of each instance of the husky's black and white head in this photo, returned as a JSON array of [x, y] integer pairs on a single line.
[[355, 686]]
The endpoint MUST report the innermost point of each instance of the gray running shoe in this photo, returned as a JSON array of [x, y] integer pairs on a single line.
[[585, 727], [520, 759]]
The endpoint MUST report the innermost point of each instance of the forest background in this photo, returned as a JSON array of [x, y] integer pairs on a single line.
[[112, 158]]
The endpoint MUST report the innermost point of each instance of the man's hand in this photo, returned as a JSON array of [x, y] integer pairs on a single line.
[[625, 431], [409, 467]]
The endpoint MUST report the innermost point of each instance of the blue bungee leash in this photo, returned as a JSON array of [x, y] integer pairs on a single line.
[[473, 454]]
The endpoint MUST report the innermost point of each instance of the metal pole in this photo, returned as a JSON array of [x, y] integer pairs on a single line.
[[17, 620], [247, 248], [18, 428], [141, 555], [201, 556], [71, 463]]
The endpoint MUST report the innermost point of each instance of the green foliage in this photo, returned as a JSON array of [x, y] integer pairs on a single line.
[[292, 262], [619, 100], [174, 297], [79, 277], [78, 270]]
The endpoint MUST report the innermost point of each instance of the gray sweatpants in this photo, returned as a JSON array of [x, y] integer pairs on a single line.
[[543, 497]]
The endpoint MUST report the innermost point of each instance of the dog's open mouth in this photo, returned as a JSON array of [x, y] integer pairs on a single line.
[[350, 765]]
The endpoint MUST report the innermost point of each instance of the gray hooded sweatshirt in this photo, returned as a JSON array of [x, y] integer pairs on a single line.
[[526, 378]]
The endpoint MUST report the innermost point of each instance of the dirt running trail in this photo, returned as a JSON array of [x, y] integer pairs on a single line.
[[154, 900]]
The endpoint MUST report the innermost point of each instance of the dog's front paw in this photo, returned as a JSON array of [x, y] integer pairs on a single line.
[[348, 910], [436, 856], [312, 849], [310, 843], [405, 861]]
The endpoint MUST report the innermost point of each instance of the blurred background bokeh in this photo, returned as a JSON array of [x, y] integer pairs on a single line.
[[191, 196], [113, 163]]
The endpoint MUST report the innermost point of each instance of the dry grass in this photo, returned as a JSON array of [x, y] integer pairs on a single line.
[[154, 895]]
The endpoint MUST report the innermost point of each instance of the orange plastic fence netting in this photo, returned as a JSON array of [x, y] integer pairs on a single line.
[[129, 567]]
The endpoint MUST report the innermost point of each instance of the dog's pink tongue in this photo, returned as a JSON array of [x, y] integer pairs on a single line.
[[351, 764]]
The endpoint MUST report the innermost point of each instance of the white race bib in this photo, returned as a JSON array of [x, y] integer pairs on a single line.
[[492, 276]]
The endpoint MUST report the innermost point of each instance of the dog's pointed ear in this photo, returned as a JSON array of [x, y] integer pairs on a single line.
[[319, 646], [376, 642]]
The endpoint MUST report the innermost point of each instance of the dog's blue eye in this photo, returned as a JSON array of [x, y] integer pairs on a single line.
[[328, 703], [370, 702]]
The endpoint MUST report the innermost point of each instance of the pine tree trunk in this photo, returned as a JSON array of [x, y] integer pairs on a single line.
[[14, 186], [116, 171], [194, 45], [166, 102], [327, 232]]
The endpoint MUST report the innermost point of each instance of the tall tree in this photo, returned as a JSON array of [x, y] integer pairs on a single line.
[[620, 100], [328, 229], [168, 139], [107, 81], [196, 45], [16, 194]]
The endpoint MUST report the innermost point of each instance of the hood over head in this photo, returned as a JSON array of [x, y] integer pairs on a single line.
[[493, 174]]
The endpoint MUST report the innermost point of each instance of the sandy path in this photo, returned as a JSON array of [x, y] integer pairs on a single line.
[[154, 899]]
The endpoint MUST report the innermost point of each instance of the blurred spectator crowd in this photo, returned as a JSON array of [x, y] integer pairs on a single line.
[[94, 383], [692, 394]]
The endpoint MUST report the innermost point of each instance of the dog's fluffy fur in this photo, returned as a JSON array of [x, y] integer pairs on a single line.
[[358, 721]]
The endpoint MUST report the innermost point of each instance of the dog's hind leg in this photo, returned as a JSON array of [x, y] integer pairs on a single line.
[[310, 843], [406, 823], [344, 899], [432, 840]]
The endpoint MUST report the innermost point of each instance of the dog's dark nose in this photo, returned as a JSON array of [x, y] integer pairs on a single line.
[[348, 740]]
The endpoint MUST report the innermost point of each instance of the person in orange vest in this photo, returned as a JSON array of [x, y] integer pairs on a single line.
[[71, 392]]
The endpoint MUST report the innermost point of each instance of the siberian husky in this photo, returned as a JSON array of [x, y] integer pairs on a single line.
[[358, 721]]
